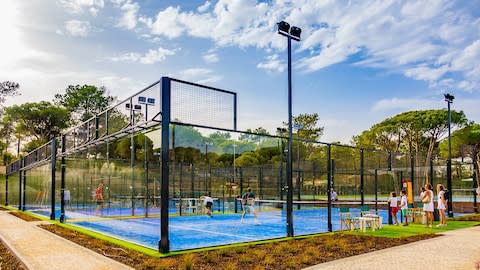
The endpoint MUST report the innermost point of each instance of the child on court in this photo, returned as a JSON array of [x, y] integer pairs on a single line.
[[404, 206], [393, 202]]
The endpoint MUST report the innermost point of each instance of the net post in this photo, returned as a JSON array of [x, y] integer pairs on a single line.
[[329, 185], [52, 192], [164, 243], [362, 179], [62, 183]]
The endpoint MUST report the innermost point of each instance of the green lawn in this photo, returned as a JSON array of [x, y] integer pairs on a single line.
[[414, 229]]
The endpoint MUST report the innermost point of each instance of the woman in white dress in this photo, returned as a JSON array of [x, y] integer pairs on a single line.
[[441, 205], [428, 207]]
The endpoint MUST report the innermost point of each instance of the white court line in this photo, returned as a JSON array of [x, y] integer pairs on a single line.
[[206, 231]]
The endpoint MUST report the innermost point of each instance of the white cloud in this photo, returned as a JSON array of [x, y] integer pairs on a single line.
[[210, 57], [427, 40], [80, 6], [404, 104], [128, 19], [272, 63], [150, 57], [78, 28], [204, 7], [199, 75]]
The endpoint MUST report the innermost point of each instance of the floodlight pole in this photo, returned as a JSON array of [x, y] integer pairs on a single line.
[[284, 29], [449, 99]]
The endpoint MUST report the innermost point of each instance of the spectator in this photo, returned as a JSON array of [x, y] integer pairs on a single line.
[[441, 205], [393, 202]]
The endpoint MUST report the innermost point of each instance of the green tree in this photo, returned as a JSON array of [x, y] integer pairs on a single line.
[[246, 159], [414, 131], [122, 148], [253, 138], [466, 140], [7, 88], [41, 120], [306, 125], [84, 101]]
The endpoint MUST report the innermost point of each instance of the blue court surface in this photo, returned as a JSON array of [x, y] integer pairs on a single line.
[[189, 232]]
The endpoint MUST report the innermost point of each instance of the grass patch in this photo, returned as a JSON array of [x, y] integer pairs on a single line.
[[392, 231]]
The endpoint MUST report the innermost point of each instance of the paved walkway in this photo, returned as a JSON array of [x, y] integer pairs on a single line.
[[39, 249], [457, 249]]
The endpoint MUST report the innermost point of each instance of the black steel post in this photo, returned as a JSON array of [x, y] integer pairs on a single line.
[[431, 173], [132, 156], [376, 191], [206, 169], [281, 180], [192, 179], [329, 185], [362, 180], [97, 125], [6, 189], [289, 157], [475, 181], [54, 169], [180, 195], [20, 177], [164, 244], [145, 170], [240, 171], [173, 160], [62, 179], [260, 182], [234, 113], [412, 173], [449, 164], [24, 190]]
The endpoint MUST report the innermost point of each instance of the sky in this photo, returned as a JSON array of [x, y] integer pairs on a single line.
[[358, 62]]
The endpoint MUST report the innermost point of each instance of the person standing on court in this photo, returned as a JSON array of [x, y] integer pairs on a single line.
[[99, 198], [333, 195], [442, 205], [208, 202], [248, 205], [427, 200], [404, 206], [393, 202]]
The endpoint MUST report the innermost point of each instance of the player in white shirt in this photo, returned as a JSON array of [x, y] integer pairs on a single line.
[[393, 201]]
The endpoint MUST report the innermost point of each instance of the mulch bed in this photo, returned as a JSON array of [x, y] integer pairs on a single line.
[[292, 254], [24, 216], [9, 261]]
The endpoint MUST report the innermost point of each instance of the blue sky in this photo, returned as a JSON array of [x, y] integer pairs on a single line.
[[358, 62]]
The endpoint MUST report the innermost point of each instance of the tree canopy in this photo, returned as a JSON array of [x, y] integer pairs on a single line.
[[413, 131], [84, 101], [7, 88], [41, 120]]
